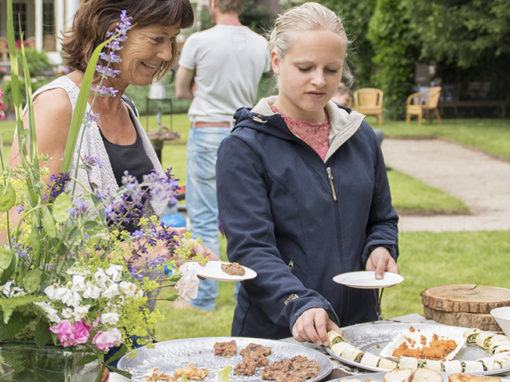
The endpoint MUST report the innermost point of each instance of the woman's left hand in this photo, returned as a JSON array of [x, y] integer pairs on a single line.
[[380, 261]]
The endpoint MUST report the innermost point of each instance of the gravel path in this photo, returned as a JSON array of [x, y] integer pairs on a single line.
[[480, 180]]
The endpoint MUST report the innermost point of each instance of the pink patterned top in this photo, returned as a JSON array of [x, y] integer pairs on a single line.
[[315, 135]]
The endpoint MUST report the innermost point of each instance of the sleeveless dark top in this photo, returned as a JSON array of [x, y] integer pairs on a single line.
[[131, 158]]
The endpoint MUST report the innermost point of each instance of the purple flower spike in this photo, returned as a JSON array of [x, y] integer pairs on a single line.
[[106, 71]]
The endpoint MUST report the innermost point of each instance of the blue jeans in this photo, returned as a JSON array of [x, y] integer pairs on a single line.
[[201, 200]]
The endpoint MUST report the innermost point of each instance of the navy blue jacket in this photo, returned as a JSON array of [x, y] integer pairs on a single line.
[[298, 221]]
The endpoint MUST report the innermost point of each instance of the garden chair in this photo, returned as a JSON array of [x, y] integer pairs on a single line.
[[369, 101], [425, 100]]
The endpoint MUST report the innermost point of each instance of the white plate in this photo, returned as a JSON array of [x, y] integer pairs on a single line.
[[212, 270], [416, 335], [380, 377], [366, 280], [169, 355], [373, 337]]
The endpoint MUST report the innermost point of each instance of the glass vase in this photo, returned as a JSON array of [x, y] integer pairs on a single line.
[[25, 362]]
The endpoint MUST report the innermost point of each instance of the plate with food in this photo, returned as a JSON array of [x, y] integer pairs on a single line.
[[225, 271], [438, 344], [365, 346], [200, 359], [419, 375], [367, 280]]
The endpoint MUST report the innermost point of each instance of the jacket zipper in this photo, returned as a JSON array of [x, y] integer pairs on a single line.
[[331, 184]]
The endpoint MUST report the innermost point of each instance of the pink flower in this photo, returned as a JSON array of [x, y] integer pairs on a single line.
[[71, 334], [81, 332], [105, 340], [64, 331], [2, 105]]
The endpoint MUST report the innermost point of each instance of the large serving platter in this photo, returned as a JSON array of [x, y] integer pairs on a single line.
[[170, 355], [374, 337], [380, 377]]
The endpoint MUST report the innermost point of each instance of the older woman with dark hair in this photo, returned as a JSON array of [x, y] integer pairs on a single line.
[[115, 136]]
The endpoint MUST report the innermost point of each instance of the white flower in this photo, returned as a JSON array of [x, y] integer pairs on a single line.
[[7, 288], [55, 292], [91, 291], [80, 312], [78, 283], [67, 313], [71, 298], [128, 289], [187, 286], [115, 272], [12, 291], [51, 313], [110, 318], [100, 278], [112, 291]]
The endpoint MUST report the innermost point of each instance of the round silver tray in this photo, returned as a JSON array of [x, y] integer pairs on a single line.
[[170, 355], [380, 377], [374, 337]]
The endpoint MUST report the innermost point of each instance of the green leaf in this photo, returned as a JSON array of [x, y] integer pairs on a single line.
[[12, 327], [9, 305], [92, 225], [223, 375], [6, 257], [7, 198], [42, 334], [35, 244], [32, 280], [61, 205], [48, 222], [81, 104], [86, 358], [6, 274]]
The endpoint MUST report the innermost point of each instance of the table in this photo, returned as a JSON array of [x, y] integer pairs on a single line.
[[159, 137], [339, 369]]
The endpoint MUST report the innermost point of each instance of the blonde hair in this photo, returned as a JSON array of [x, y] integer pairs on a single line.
[[306, 17]]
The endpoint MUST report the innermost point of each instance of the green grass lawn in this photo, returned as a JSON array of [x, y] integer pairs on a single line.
[[426, 259]]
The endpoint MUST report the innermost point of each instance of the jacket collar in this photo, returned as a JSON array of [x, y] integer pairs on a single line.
[[343, 124]]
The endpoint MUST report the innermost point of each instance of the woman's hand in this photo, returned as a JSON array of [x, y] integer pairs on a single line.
[[380, 261], [313, 325]]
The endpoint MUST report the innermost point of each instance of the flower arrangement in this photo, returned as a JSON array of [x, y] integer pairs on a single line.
[[81, 270]]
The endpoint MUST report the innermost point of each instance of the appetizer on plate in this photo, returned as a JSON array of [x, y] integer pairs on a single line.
[[343, 349]]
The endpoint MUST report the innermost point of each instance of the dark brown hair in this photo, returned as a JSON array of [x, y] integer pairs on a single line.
[[95, 18]]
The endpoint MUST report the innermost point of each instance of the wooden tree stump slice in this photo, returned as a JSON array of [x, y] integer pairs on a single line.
[[468, 320], [467, 298]]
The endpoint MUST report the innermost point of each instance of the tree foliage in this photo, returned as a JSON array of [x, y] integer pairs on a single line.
[[396, 53], [355, 16], [460, 32], [257, 17]]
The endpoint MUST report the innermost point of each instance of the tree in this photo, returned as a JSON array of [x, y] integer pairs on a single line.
[[257, 17], [355, 16], [460, 32], [396, 53], [470, 40]]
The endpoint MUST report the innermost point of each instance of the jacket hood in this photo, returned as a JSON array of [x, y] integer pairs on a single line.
[[343, 122]]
